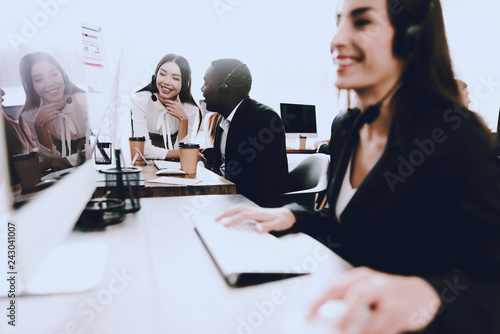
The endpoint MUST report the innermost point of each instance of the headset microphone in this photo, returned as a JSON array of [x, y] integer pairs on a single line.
[[154, 98], [371, 113], [69, 100]]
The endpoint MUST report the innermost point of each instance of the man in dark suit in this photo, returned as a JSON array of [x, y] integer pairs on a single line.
[[249, 145]]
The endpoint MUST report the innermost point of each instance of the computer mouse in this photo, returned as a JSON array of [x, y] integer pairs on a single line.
[[324, 322], [163, 172]]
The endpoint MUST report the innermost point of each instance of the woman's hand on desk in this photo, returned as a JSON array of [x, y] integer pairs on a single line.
[[268, 219], [381, 303]]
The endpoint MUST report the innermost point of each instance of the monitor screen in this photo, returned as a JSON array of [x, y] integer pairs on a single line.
[[498, 123], [299, 119]]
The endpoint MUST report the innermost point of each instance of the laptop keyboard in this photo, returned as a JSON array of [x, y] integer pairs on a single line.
[[241, 248], [162, 164]]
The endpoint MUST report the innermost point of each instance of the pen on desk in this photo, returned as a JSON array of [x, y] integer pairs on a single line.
[[142, 156], [135, 158]]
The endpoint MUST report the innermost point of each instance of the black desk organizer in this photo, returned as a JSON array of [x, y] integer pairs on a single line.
[[123, 186]]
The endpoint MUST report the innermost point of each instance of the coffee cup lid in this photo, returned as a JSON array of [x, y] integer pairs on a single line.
[[188, 145], [137, 138], [20, 157]]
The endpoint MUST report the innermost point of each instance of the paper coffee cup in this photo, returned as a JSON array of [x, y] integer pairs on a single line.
[[189, 154], [302, 143], [136, 142], [27, 167]]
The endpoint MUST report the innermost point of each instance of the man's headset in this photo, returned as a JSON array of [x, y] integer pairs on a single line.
[[224, 87]]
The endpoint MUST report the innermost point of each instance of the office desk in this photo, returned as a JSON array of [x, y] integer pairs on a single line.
[[301, 150], [210, 184], [160, 279]]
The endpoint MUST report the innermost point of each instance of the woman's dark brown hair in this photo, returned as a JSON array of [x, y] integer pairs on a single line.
[[427, 79]]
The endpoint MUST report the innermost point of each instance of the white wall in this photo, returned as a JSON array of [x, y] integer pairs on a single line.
[[284, 43], [475, 50]]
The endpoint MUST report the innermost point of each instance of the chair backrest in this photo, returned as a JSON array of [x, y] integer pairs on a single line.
[[311, 173], [208, 153]]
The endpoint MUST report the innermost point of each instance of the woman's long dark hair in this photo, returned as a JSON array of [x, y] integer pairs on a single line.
[[427, 79], [25, 67], [185, 94]]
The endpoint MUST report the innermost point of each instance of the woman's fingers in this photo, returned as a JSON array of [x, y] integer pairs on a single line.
[[269, 219], [46, 114], [176, 109], [237, 209], [378, 302], [360, 298], [338, 289]]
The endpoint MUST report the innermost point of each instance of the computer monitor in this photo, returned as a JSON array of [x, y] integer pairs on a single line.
[[498, 134], [498, 123], [299, 120]]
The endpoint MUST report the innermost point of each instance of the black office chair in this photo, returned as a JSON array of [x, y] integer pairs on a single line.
[[208, 153], [308, 179]]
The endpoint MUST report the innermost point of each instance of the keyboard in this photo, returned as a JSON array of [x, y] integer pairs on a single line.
[[162, 164], [243, 255]]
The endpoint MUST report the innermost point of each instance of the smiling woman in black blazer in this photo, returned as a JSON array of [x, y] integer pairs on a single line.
[[414, 194]]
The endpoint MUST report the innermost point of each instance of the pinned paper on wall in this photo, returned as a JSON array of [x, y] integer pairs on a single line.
[[91, 49], [92, 57]]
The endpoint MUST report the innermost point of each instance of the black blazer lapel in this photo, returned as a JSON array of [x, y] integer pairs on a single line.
[[235, 129], [344, 138], [369, 191]]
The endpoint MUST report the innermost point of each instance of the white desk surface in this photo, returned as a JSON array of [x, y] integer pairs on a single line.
[[160, 279]]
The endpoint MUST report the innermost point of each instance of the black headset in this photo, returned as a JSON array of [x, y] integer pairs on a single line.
[[413, 34], [224, 87], [153, 81]]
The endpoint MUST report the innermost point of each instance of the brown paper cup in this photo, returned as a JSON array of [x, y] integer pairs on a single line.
[[302, 143], [28, 169], [189, 154], [136, 142]]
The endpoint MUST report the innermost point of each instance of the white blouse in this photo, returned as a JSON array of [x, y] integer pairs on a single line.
[[151, 116], [71, 124], [346, 192]]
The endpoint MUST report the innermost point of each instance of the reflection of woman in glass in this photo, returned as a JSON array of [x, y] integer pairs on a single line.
[[55, 109], [164, 111]]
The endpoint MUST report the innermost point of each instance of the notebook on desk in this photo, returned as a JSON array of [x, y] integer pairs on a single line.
[[244, 256]]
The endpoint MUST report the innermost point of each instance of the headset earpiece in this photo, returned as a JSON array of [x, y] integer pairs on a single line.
[[411, 39], [413, 34], [153, 84], [224, 87]]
